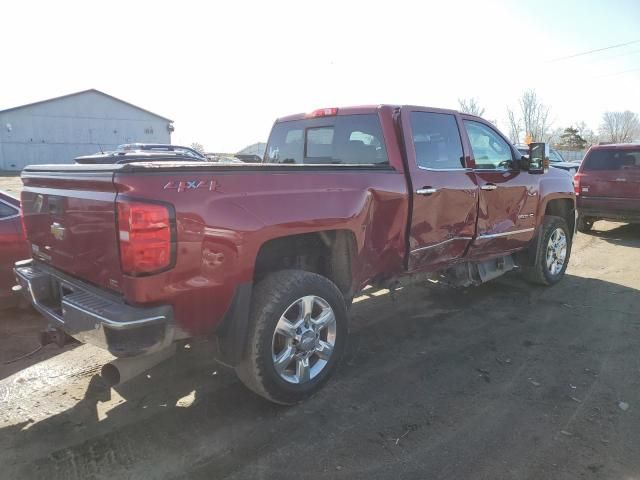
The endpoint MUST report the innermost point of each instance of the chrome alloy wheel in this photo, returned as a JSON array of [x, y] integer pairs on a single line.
[[304, 339], [556, 251]]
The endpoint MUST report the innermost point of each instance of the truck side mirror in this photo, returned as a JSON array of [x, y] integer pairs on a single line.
[[538, 158]]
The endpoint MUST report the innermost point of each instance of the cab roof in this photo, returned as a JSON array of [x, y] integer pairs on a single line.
[[361, 109]]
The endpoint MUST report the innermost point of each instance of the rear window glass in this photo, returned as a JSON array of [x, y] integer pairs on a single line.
[[340, 140], [612, 160]]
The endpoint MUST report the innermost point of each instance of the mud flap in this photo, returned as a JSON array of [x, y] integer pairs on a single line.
[[529, 256], [231, 337]]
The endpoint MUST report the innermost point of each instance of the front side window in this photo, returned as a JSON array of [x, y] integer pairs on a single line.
[[436, 139], [490, 150], [339, 140]]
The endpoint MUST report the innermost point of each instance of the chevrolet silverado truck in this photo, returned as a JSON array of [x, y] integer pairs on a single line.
[[267, 257]]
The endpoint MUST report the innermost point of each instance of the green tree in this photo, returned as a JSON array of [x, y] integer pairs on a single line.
[[572, 140]]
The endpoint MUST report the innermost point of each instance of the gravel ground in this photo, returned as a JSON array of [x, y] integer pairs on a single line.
[[11, 183], [506, 380]]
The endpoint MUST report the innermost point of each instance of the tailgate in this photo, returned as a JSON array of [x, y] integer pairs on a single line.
[[623, 183], [70, 222]]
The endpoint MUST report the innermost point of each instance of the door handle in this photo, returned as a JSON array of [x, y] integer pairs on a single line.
[[426, 191], [489, 186]]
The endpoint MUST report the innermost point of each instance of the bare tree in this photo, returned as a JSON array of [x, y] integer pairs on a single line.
[[471, 106], [515, 127], [554, 137], [619, 127], [535, 117], [531, 118], [198, 147]]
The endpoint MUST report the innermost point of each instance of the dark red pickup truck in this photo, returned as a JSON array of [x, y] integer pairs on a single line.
[[267, 257]]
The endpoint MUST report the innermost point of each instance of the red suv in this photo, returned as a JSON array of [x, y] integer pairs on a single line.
[[607, 185]]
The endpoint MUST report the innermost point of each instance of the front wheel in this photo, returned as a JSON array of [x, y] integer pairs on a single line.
[[297, 334], [553, 253]]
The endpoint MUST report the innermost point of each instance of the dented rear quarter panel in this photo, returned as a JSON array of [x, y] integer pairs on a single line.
[[221, 227]]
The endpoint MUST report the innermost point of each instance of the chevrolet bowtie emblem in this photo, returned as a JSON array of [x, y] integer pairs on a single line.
[[58, 231]]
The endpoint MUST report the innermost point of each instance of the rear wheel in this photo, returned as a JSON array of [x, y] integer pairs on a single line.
[[585, 224], [297, 335], [553, 253]]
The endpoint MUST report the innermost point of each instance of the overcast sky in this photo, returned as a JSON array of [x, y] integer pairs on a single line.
[[223, 71]]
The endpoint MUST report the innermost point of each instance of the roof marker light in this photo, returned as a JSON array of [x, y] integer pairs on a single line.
[[323, 112]]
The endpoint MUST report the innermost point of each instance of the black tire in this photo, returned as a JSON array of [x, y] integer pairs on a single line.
[[540, 273], [270, 301], [584, 224]]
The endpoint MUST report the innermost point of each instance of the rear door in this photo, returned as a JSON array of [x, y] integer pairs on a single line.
[[508, 196], [445, 193]]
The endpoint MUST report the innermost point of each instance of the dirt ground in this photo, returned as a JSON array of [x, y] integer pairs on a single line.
[[10, 183], [505, 380]]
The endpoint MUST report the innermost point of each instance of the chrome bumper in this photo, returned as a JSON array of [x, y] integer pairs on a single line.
[[92, 315]]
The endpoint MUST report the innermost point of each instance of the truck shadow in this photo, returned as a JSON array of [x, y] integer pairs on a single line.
[[19, 329], [625, 235], [408, 341]]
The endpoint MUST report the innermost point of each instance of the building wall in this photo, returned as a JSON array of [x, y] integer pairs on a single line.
[[59, 130]]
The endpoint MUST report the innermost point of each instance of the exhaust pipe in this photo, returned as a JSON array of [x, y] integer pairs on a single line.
[[124, 369]]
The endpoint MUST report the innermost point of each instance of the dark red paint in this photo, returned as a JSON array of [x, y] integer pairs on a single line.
[[221, 230], [610, 193]]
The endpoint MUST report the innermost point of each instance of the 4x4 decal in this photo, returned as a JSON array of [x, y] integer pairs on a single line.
[[183, 185]]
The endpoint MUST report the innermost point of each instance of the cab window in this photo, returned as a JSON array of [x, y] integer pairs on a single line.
[[436, 139], [490, 150], [342, 140]]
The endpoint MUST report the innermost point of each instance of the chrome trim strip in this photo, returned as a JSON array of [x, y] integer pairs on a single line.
[[438, 244], [505, 234], [461, 169]]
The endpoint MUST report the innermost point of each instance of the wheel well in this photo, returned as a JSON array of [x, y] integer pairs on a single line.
[[328, 253], [562, 207]]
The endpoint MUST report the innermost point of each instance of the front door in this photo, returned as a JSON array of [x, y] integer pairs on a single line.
[[508, 195], [445, 193]]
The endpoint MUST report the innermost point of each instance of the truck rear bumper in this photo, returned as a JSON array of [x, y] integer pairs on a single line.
[[94, 316]]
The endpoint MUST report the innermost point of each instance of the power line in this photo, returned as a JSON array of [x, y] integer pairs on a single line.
[[618, 73], [593, 51]]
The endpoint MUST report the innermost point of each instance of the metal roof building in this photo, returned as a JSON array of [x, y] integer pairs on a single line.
[[59, 129]]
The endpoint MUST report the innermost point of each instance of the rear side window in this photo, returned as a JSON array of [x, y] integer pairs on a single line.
[[436, 139], [612, 160], [340, 140]]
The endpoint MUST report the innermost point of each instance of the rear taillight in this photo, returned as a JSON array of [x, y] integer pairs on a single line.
[[146, 234], [576, 183]]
